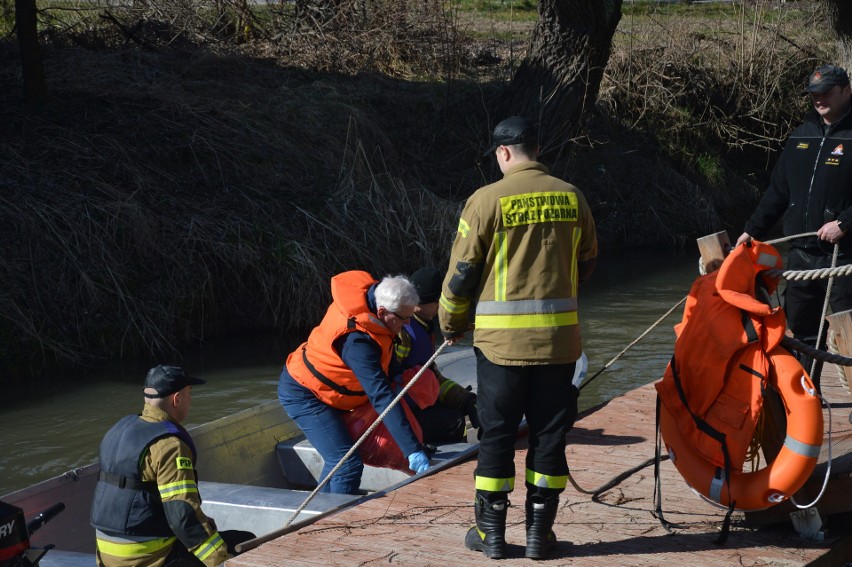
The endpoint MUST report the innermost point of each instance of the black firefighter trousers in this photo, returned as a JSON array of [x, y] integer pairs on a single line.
[[505, 394]]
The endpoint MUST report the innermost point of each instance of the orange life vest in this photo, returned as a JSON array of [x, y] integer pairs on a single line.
[[317, 366], [713, 386]]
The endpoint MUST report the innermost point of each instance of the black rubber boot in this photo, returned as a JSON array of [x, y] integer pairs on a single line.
[[489, 533], [541, 513]]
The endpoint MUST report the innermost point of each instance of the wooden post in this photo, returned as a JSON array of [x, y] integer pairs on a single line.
[[841, 327], [841, 324], [714, 248]]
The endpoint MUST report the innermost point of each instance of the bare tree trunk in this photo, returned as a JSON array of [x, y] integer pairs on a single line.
[[562, 73], [841, 15], [35, 87]]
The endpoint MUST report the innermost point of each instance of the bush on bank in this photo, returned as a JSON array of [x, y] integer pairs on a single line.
[[203, 172]]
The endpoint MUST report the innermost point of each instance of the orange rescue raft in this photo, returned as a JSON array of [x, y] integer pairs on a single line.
[[791, 468]]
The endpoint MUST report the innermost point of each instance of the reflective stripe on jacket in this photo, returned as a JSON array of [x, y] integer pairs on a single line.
[[515, 254], [166, 472], [123, 503], [415, 346], [316, 365]]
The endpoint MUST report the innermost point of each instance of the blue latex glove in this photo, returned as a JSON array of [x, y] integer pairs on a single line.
[[418, 461]]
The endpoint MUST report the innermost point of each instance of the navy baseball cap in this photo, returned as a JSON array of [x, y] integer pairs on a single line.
[[511, 131], [166, 380], [825, 77]]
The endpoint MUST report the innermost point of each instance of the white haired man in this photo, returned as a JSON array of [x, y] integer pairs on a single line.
[[343, 365]]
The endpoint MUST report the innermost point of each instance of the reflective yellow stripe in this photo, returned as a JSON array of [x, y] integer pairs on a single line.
[[444, 388], [526, 321], [495, 484], [459, 306], [402, 351], [135, 548], [209, 547], [501, 265], [464, 228], [546, 481], [177, 488], [574, 271]]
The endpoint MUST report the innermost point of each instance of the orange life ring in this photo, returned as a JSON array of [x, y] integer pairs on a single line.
[[789, 471]]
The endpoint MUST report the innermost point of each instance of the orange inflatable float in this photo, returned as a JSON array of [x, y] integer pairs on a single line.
[[727, 354], [781, 478]]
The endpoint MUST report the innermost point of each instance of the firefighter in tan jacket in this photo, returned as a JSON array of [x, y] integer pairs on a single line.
[[523, 246], [147, 509]]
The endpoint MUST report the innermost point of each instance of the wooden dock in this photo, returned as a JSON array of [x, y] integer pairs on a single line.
[[423, 523]]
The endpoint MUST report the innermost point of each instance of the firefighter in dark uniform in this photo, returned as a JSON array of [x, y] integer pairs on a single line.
[[523, 246], [146, 508], [811, 188], [444, 421]]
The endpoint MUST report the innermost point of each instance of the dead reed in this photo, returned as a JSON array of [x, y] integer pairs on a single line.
[[205, 167]]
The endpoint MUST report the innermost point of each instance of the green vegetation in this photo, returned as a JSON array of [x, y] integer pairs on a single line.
[[200, 172]]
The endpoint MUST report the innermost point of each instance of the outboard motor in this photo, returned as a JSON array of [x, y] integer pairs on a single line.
[[15, 550]]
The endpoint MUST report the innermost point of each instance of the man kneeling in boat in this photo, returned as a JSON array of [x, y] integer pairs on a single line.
[[444, 420], [147, 509], [344, 365]]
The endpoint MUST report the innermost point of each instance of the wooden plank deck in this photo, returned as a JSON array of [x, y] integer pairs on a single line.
[[423, 523]]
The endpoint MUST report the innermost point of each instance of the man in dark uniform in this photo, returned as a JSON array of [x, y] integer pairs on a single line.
[[811, 187], [444, 421], [147, 509]]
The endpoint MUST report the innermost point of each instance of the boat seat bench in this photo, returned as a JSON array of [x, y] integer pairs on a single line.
[[261, 509], [302, 465]]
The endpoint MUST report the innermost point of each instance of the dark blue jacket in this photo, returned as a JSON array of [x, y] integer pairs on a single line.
[[363, 356], [810, 185]]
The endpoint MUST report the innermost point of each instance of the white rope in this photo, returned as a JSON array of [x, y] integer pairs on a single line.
[[792, 237], [366, 434], [813, 392], [817, 274], [825, 305]]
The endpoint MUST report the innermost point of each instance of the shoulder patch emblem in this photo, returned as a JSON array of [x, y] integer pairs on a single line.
[[184, 463], [838, 151]]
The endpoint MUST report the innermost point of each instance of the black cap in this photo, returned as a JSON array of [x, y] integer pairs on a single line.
[[427, 282], [511, 131], [825, 77], [166, 380]]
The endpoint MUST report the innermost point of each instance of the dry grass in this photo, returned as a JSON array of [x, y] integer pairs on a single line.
[[204, 170]]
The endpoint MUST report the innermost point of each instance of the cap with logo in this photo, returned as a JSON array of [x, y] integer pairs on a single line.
[[166, 380], [511, 131], [827, 76]]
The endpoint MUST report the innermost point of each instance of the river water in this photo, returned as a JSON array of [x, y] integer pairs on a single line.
[[48, 433]]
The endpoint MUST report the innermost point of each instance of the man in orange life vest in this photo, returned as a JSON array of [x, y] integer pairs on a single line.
[[344, 364], [811, 188]]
